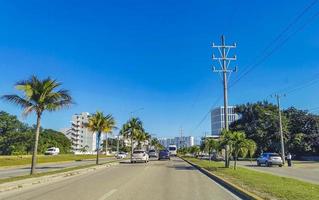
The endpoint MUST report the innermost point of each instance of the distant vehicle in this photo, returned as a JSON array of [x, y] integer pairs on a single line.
[[164, 154], [270, 159], [139, 156], [121, 155], [52, 151], [172, 150], [152, 153]]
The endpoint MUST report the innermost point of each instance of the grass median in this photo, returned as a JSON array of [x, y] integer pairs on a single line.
[[6, 161], [17, 178], [265, 185]]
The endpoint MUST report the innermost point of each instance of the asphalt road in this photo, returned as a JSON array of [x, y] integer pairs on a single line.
[[156, 180], [305, 171], [25, 170]]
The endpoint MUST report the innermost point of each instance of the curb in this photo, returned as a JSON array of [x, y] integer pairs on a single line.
[[238, 191], [28, 182]]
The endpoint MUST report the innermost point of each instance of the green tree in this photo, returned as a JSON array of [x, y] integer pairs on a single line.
[[39, 96], [132, 129], [98, 123]]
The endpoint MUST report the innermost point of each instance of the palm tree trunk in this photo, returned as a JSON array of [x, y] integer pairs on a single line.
[[132, 148], [98, 147], [35, 147], [106, 144]]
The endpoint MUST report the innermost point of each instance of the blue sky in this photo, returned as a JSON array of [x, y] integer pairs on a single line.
[[119, 56]]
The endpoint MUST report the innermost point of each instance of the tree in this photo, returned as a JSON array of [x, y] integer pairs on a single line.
[[260, 123], [210, 145], [98, 123], [39, 96], [132, 129]]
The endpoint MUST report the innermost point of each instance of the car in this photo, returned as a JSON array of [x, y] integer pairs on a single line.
[[121, 155], [164, 154], [139, 156], [270, 159], [152, 153], [52, 151], [172, 150]]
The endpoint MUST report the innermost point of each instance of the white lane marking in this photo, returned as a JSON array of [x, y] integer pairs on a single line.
[[108, 194]]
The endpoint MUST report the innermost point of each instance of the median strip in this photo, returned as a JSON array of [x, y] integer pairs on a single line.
[[256, 185], [28, 180]]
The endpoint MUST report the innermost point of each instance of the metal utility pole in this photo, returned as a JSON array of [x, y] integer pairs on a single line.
[[224, 62], [280, 128]]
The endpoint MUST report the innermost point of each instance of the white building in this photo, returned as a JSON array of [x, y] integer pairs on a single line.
[[79, 135], [185, 141], [217, 119]]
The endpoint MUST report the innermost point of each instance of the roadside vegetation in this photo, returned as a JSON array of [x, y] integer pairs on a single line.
[[6, 161], [265, 185], [17, 178]]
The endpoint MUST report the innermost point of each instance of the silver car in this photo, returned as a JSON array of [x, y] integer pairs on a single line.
[[269, 159]]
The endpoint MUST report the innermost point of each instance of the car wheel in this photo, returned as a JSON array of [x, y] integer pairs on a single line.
[[280, 165], [258, 163]]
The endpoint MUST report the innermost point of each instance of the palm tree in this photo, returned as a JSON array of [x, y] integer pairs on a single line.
[[98, 123], [132, 129], [210, 145], [39, 96]]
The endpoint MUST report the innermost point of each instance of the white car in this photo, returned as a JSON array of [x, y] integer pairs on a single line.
[[121, 155], [52, 151], [139, 156]]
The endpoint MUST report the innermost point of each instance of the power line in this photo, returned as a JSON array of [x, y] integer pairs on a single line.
[[263, 58]]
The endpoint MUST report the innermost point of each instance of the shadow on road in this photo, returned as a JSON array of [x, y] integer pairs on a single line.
[[182, 167]]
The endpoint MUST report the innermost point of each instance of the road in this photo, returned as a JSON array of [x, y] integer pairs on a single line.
[[156, 180], [305, 171], [45, 167]]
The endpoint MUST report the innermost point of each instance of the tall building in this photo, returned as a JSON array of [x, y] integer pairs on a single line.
[[185, 141], [79, 135], [217, 119]]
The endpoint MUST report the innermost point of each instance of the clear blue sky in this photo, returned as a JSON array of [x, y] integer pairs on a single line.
[[118, 56]]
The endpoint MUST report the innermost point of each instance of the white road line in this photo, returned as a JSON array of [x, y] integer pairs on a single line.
[[108, 194]]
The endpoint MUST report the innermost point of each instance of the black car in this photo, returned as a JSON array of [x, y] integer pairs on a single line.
[[163, 154]]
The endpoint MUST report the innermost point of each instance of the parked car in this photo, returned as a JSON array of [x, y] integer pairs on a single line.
[[121, 155], [164, 154], [269, 159], [140, 156], [152, 153], [52, 151]]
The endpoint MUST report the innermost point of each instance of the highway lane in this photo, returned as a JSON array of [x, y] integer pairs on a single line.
[[45, 167], [156, 180]]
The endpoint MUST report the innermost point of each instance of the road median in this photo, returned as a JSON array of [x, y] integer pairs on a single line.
[[22, 182], [250, 184], [240, 192]]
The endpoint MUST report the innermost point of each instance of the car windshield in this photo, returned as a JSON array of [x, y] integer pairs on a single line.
[[152, 151], [274, 155], [172, 148]]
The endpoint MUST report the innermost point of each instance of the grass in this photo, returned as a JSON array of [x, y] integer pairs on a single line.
[[6, 161], [264, 185], [17, 178]]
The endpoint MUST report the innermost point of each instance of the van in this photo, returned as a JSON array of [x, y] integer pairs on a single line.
[[172, 150]]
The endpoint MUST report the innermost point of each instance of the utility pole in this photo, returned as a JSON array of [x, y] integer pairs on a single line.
[[224, 62], [278, 96]]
